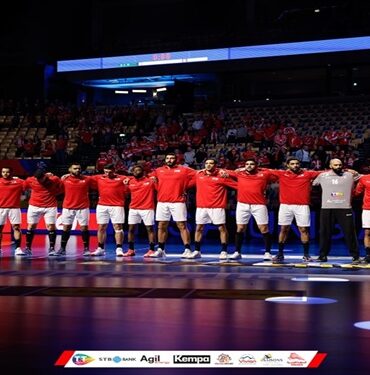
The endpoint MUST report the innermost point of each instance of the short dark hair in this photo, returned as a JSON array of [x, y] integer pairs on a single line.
[[170, 154], [251, 159], [290, 158], [213, 159], [137, 166], [7, 167], [109, 166]]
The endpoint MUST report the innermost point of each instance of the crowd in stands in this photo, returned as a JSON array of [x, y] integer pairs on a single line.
[[126, 135]]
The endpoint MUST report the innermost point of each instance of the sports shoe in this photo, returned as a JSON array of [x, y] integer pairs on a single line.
[[366, 259], [278, 258], [28, 251], [52, 252], [98, 252], [307, 258], [159, 253], [149, 253], [321, 258], [86, 253], [187, 253], [236, 255], [223, 255], [128, 253], [267, 256], [356, 260], [61, 253], [195, 254], [18, 252]]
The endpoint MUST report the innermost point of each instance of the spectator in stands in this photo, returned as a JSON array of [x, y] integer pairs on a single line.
[[303, 155]]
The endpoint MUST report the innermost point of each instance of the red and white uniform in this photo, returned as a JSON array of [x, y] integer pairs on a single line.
[[43, 200], [43, 194], [173, 182], [251, 195], [295, 188], [294, 196], [76, 199], [112, 196], [211, 197], [363, 186], [142, 200], [10, 200], [11, 191], [171, 187]]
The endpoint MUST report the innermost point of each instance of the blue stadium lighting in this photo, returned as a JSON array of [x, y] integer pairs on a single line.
[[218, 54]]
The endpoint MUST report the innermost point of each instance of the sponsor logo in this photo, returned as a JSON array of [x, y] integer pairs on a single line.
[[192, 359], [82, 359], [152, 359], [268, 358], [224, 359], [337, 194], [295, 359], [247, 359], [117, 359]]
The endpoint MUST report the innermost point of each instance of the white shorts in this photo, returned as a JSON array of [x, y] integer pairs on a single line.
[[244, 212], [34, 214], [214, 216], [166, 209], [135, 216], [14, 215], [114, 213], [301, 213], [366, 219], [82, 216]]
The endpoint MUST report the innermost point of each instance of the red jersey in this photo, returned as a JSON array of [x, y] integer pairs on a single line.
[[43, 193], [364, 186], [211, 189], [295, 188], [252, 186], [76, 191], [142, 193], [11, 191], [112, 191], [173, 182]]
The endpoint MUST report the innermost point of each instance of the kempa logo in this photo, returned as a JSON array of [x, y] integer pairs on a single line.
[[192, 359]]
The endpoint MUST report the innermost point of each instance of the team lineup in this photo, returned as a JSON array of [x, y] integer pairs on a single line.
[[161, 196]]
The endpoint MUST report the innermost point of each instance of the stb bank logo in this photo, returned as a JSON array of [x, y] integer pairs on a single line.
[[82, 359], [191, 359]]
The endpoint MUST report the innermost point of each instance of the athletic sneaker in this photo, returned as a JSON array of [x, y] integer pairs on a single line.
[[18, 252], [52, 252], [321, 258], [149, 253], [267, 256], [279, 258], [366, 259], [194, 254], [128, 253], [98, 252], [86, 253], [307, 258], [223, 255], [61, 253], [28, 251], [236, 255], [356, 260], [158, 254], [186, 254]]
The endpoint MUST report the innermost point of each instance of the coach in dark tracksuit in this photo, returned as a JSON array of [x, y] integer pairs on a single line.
[[336, 207]]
